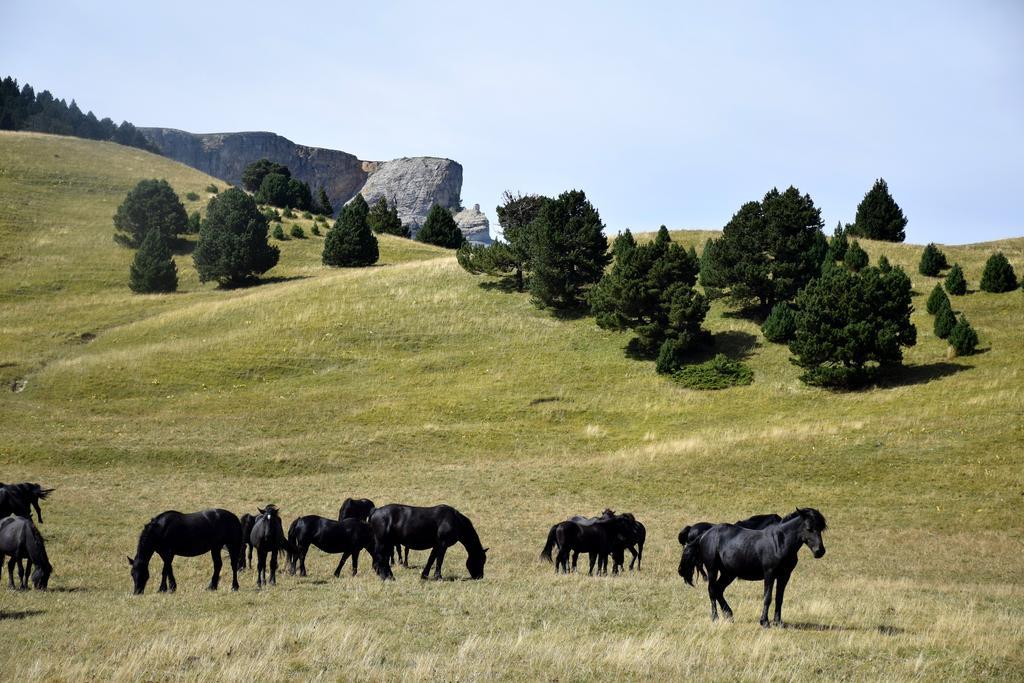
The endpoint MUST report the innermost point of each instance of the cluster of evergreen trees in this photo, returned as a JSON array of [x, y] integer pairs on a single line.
[[272, 183], [22, 109]]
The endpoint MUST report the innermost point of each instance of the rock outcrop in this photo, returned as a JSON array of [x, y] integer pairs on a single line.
[[414, 184], [474, 225]]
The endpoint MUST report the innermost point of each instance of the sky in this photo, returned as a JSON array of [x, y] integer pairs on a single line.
[[670, 113]]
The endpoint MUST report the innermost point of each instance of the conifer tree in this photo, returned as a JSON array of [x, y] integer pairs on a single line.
[[232, 247], [351, 243], [441, 229], [323, 203], [856, 258], [998, 275], [955, 282], [624, 242], [153, 269], [879, 217], [963, 338], [383, 218], [937, 299], [944, 322], [780, 325], [509, 256], [150, 205], [933, 261], [883, 264], [254, 173], [838, 243]]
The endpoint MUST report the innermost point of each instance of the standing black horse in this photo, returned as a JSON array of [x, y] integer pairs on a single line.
[[15, 499], [552, 541], [360, 508], [189, 535], [599, 539], [247, 521], [424, 528], [348, 537], [730, 552], [267, 536], [691, 533], [20, 540]]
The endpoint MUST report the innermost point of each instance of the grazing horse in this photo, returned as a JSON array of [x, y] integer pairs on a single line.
[[691, 533], [599, 539], [424, 528], [247, 522], [189, 535], [20, 539], [730, 552], [360, 508], [267, 536], [15, 499], [348, 537], [545, 554]]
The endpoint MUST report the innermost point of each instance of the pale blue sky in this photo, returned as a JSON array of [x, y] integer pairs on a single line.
[[663, 112]]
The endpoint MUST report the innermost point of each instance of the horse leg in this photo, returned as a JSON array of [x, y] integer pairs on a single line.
[[172, 583], [261, 566], [163, 576], [440, 559], [780, 591], [302, 560], [768, 581], [273, 567], [215, 579], [235, 555], [723, 583], [575, 559], [355, 561], [249, 549], [430, 563], [633, 552], [344, 556], [593, 559], [712, 592]]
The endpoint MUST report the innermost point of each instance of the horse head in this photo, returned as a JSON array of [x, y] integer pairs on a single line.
[[140, 574], [475, 563], [810, 533]]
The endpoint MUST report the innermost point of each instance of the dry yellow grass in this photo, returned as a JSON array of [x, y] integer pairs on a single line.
[[409, 382]]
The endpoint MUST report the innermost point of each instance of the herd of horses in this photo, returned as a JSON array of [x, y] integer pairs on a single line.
[[760, 548]]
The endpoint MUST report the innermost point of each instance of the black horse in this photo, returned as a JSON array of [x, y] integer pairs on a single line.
[[730, 552], [189, 535], [16, 499], [599, 539], [424, 528], [348, 537], [691, 533], [549, 545], [267, 536], [360, 508], [247, 522], [20, 540]]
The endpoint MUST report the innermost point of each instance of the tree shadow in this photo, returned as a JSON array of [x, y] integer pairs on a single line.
[[260, 282], [575, 313], [733, 344], [182, 247], [505, 284], [16, 615], [754, 314], [913, 375], [809, 626]]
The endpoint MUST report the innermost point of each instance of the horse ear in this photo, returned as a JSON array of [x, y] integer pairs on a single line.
[[261, 510], [131, 561], [485, 550]]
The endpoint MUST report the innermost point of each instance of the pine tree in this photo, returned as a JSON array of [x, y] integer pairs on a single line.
[[568, 252], [233, 247], [645, 287], [150, 205], [945, 320], [508, 257], [351, 243], [254, 174], [879, 217], [847, 321], [273, 190], [856, 258], [883, 264], [955, 282], [769, 250], [933, 261], [383, 218], [998, 275], [441, 229], [323, 203], [963, 338], [624, 242], [838, 243], [153, 269], [780, 325], [937, 299]]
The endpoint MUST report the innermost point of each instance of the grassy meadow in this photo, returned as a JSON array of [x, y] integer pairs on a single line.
[[415, 382]]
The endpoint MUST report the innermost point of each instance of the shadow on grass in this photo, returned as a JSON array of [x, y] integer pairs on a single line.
[[259, 282], [67, 589], [505, 284], [754, 314], [183, 247], [913, 375], [16, 615], [808, 626]]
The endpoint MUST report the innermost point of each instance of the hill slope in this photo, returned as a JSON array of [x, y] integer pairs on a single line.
[[411, 382]]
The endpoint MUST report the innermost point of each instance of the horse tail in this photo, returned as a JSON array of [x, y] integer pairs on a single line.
[[43, 493], [290, 546], [549, 546], [690, 561]]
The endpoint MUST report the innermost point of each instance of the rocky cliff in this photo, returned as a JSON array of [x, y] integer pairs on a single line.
[[414, 184]]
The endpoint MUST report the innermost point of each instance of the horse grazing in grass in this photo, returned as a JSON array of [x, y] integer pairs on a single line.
[[691, 533], [267, 536], [247, 521], [552, 541], [16, 499], [189, 535], [348, 537], [20, 540], [730, 552], [599, 539], [424, 528], [360, 508]]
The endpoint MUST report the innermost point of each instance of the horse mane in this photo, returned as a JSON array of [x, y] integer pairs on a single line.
[[36, 547], [471, 539], [628, 515], [816, 519], [145, 544]]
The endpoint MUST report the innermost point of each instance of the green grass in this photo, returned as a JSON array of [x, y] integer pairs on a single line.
[[410, 382]]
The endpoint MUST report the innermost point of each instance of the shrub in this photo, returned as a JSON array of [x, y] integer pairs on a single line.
[[856, 258], [307, 215], [194, 221], [232, 247], [933, 261], [837, 244], [879, 217], [316, 230], [288, 213], [441, 229], [192, 196], [945, 320], [150, 205], [351, 243], [963, 338], [717, 373], [998, 275], [955, 282], [254, 173], [278, 232], [153, 269], [212, 189], [322, 205], [275, 216], [780, 325], [273, 190], [937, 299], [297, 232], [883, 264], [383, 218]]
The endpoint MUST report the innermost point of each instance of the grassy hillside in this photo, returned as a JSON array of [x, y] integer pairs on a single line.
[[415, 382]]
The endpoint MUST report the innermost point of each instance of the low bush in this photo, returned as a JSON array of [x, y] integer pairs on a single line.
[[998, 276], [717, 373], [297, 232], [212, 189], [780, 325], [192, 196], [963, 338], [955, 282], [278, 232], [937, 299], [288, 213], [945, 320], [316, 229]]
